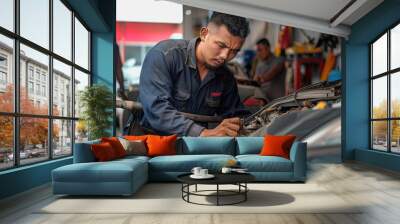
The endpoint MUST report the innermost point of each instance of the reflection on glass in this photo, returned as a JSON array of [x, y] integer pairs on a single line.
[[7, 14], [81, 45], [34, 96], [395, 135], [379, 135], [395, 95], [33, 140], [81, 81], [62, 89], [81, 131], [134, 53], [6, 142], [379, 55], [379, 97], [35, 21], [395, 47], [62, 138], [62, 29], [6, 74]]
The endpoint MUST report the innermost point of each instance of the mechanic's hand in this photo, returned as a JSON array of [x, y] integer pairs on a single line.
[[228, 127], [258, 79]]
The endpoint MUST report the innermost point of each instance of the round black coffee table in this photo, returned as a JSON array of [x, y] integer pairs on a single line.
[[238, 179]]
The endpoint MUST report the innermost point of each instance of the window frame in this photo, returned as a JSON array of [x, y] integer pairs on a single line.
[[3, 74], [3, 71], [16, 114], [388, 74]]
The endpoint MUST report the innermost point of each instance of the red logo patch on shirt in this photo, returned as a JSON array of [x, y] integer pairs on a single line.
[[216, 94]]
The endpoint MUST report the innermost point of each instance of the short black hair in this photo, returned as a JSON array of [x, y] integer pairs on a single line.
[[237, 26], [263, 41]]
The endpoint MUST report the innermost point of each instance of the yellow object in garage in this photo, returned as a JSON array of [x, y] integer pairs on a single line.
[[328, 66], [320, 105], [277, 50]]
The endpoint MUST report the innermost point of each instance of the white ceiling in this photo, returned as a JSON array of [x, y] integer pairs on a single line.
[[315, 15], [321, 9], [145, 11]]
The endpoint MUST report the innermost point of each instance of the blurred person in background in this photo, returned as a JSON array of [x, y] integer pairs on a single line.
[[268, 71]]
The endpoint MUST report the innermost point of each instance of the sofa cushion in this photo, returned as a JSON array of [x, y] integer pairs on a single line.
[[118, 177], [277, 145], [134, 147], [83, 152], [249, 145], [93, 172], [161, 145], [207, 145], [116, 145], [185, 163], [257, 163], [112, 171], [132, 158], [103, 152], [135, 137]]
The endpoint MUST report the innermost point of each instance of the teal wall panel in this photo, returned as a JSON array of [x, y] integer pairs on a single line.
[[103, 50], [356, 99], [27, 177], [377, 158], [355, 123], [103, 66], [99, 16], [91, 14]]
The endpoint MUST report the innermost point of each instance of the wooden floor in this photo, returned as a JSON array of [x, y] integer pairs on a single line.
[[377, 189]]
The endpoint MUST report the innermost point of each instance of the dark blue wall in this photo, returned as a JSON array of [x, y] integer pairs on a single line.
[[355, 124], [99, 16]]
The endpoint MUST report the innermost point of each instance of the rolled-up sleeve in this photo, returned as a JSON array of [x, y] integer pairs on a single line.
[[155, 90]]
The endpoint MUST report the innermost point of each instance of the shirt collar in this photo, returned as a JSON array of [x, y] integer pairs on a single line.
[[191, 59], [191, 53]]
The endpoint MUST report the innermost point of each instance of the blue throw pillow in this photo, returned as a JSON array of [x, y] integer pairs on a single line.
[[249, 145], [208, 145]]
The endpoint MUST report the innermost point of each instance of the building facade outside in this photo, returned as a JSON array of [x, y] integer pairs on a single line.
[[34, 82]]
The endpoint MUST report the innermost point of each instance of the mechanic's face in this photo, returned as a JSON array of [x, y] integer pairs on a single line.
[[262, 51], [220, 46]]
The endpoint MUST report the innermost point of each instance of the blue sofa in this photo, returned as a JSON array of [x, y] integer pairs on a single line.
[[125, 176]]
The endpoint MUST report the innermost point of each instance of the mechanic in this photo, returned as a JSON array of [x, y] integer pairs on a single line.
[[191, 77], [269, 71]]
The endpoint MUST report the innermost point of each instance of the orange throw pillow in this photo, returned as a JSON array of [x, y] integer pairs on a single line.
[[103, 152], [116, 145], [275, 145], [136, 137], [161, 145]]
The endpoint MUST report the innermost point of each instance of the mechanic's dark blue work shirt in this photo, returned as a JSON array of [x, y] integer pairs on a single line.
[[170, 82]]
